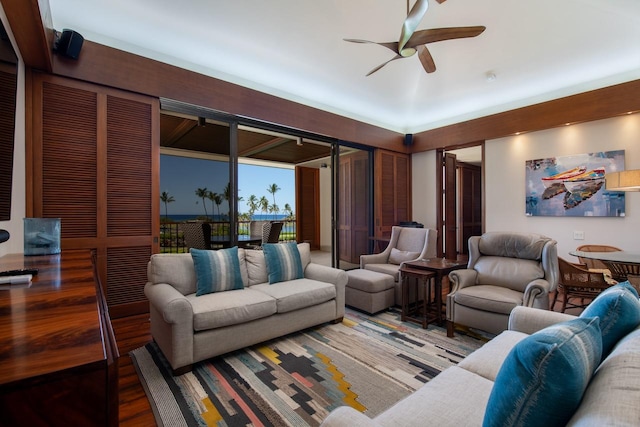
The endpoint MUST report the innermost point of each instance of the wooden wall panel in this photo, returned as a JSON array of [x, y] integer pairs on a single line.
[[392, 189], [308, 206], [95, 162]]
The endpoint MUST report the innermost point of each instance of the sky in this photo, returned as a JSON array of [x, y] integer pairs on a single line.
[[182, 176]]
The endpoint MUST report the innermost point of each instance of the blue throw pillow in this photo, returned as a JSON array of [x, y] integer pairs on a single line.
[[216, 271], [542, 380], [618, 308], [283, 261]]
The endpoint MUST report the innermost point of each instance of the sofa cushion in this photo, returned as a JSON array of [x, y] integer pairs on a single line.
[[618, 308], [216, 271], [487, 360], [256, 267], [542, 380], [296, 294], [230, 308], [439, 402], [612, 395], [283, 261], [390, 269], [495, 299], [398, 257], [174, 269], [513, 273]]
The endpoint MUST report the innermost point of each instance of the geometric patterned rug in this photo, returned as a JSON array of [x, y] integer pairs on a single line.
[[367, 362]]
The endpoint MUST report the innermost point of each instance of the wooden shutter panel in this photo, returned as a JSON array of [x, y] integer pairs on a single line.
[[392, 187], [95, 164], [69, 159], [8, 83]]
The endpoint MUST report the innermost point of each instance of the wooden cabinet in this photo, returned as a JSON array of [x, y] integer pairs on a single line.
[[93, 161], [392, 189], [59, 355]]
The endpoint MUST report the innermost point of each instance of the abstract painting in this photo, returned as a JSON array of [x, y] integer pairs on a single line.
[[573, 185]]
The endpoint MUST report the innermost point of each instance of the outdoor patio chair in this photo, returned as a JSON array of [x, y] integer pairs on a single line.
[[197, 235]]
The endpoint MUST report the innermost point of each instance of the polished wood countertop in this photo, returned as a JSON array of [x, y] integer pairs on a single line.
[[54, 324]]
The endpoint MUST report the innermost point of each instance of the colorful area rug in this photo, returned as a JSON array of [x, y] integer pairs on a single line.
[[367, 362]]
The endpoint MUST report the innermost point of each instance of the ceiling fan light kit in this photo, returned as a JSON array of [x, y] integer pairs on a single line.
[[412, 41]]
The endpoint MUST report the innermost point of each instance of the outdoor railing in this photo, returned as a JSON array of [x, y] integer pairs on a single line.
[[172, 239]]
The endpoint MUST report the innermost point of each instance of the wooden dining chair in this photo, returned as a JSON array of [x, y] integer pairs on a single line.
[[594, 263], [577, 282]]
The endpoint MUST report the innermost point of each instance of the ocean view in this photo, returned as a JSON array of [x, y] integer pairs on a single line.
[[193, 217]]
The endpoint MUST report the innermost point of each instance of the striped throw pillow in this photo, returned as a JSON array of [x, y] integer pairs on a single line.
[[216, 271], [283, 261]]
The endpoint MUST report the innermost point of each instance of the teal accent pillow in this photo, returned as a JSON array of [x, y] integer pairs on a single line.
[[542, 380], [618, 308], [283, 262], [216, 271]]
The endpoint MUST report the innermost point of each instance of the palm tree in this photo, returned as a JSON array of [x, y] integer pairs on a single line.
[[203, 194], [253, 205], [274, 209], [288, 211], [166, 198], [217, 199], [273, 189], [264, 204], [212, 196]]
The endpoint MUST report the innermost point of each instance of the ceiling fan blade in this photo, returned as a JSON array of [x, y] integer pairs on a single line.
[[441, 1], [426, 59], [409, 26], [389, 45], [383, 64], [440, 34]]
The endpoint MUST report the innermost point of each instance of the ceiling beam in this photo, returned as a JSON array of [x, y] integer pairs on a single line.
[[267, 145], [584, 107], [32, 28]]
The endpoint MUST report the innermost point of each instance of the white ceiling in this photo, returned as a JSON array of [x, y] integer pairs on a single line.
[[538, 50]]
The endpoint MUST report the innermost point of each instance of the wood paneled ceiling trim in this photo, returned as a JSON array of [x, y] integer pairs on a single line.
[[584, 107]]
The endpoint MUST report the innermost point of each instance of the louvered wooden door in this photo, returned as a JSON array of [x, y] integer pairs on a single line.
[[392, 186], [95, 165]]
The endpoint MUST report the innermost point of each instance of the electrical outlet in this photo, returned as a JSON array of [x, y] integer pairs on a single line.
[[578, 235]]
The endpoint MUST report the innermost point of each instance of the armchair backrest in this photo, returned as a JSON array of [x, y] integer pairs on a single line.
[[513, 260], [419, 241]]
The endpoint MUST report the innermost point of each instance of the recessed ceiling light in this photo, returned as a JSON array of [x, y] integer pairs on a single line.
[[491, 76]]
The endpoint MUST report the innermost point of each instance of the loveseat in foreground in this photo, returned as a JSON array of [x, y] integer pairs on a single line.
[[190, 328], [534, 374]]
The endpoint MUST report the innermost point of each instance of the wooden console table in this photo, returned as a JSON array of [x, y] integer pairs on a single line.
[[58, 353]]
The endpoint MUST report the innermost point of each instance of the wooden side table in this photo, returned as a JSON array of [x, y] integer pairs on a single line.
[[440, 267], [416, 306]]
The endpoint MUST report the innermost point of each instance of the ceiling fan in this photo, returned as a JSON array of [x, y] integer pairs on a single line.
[[412, 41]]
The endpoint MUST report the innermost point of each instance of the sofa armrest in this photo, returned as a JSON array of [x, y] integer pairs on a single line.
[[380, 258], [462, 278], [535, 289], [331, 275], [346, 416], [173, 306], [529, 320]]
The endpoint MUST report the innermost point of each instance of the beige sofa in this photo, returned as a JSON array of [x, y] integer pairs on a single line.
[[190, 328], [458, 396]]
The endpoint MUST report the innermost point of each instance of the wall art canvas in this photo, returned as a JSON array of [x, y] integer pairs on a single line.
[[574, 185]]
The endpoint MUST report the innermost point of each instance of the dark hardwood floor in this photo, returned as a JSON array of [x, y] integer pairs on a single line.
[[132, 332]]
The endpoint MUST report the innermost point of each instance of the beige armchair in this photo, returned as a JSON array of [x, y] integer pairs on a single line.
[[406, 244], [505, 270]]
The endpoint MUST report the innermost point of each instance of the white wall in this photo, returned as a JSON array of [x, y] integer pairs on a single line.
[[423, 188], [505, 183], [18, 201]]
